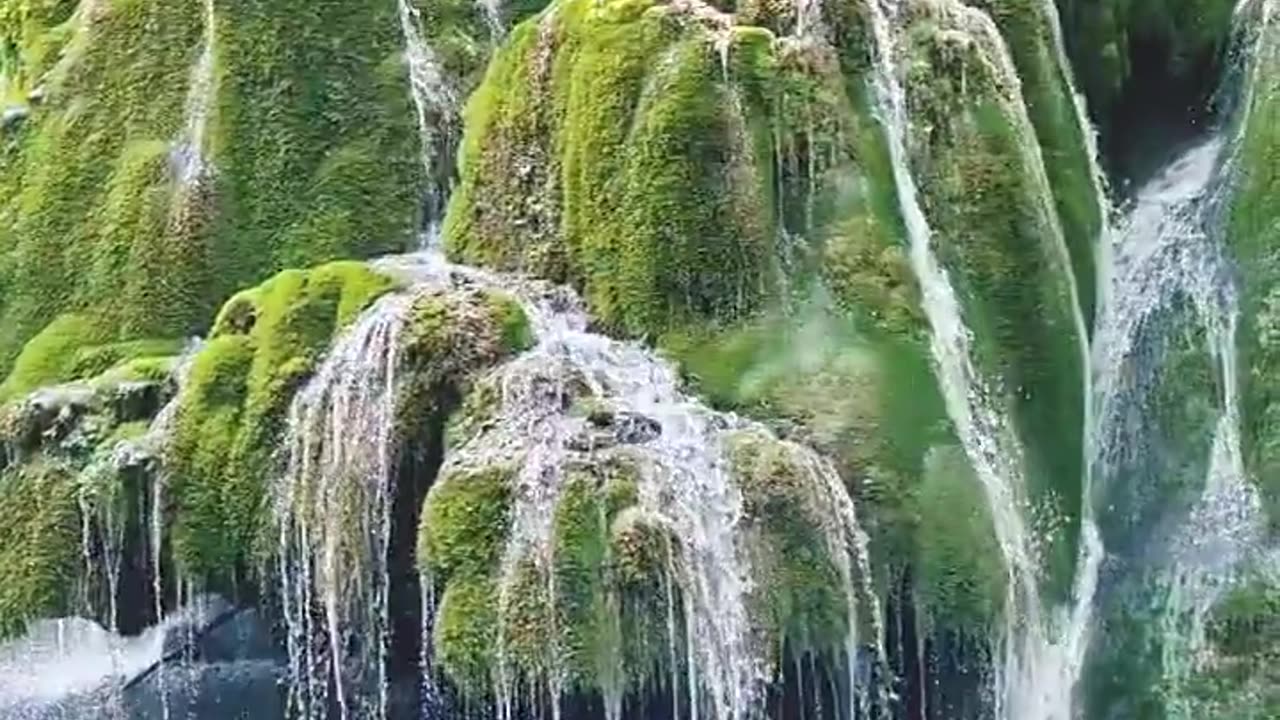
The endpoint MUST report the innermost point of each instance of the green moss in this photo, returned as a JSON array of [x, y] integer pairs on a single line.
[[82, 182], [995, 236], [589, 642], [50, 356], [39, 544], [464, 524], [465, 636], [266, 342], [1047, 95], [804, 597], [314, 154], [959, 568], [72, 347], [634, 175]]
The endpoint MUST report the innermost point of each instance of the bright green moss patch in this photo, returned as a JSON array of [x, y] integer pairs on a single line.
[[87, 178], [266, 342], [313, 155], [465, 635], [72, 347], [635, 176], [39, 544], [464, 524]]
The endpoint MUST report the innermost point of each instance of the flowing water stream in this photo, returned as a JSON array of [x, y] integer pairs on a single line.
[[189, 157], [340, 458], [436, 106]]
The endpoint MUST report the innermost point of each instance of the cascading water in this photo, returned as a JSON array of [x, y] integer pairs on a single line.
[[684, 482], [189, 161], [333, 510], [1168, 256], [435, 104], [1041, 660]]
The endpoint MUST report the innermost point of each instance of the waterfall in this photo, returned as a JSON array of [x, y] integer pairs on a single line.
[[1037, 674], [685, 483], [435, 104], [1167, 253], [492, 10], [189, 161], [332, 507]]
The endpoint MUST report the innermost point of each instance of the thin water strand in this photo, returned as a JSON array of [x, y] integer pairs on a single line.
[[436, 106], [333, 507]]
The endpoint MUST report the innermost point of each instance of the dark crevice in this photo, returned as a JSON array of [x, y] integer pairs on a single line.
[[1160, 112]]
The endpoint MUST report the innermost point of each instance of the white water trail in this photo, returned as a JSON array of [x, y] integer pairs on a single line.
[[1167, 254], [436, 105], [492, 10], [333, 509], [189, 159]]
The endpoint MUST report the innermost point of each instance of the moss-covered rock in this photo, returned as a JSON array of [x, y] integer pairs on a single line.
[[607, 148], [1252, 236], [465, 523], [313, 155], [1048, 94], [995, 231], [265, 343], [800, 587]]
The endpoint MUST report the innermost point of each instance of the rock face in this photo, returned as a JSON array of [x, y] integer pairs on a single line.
[[646, 497]]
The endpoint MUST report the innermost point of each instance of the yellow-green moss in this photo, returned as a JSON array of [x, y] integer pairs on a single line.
[[634, 177], [465, 637], [266, 342], [464, 524], [39, 544], [314, 156]]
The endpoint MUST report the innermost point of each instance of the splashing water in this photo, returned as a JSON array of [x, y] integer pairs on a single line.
[[333, 510], [73, 667], [188, 158], [1166, 254], [435, 102], [685, 482]]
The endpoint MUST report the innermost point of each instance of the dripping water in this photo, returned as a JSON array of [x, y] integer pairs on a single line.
[[333, 509], [685, 484]]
